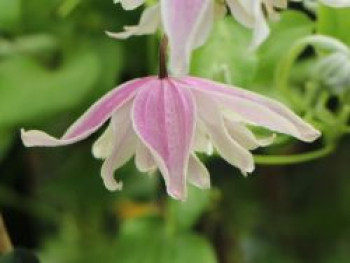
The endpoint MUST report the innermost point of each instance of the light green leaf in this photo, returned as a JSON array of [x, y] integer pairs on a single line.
[[226, 56], [19, 256], [10, 12], [6, 139], [147, 241], [29, 91], [292, 26], [185, 214], [334, 22]]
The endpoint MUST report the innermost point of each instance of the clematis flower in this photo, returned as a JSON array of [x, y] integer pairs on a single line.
[[188, 22], [165, 121]]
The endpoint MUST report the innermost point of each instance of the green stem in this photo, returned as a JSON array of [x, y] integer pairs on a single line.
[[295, 158]]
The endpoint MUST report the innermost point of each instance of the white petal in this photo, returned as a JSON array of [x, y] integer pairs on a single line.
[[336, 3], [245, 137], [197, 173], [149, 22], [130, 4], [123, 148], [251, 15], [204, 27], [241, 10], [255, 109], [202, 141], [103, 147], [144, 160], [228, 148], [187, 25]]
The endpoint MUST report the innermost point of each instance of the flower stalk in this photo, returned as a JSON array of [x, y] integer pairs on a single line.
[[163, 72]]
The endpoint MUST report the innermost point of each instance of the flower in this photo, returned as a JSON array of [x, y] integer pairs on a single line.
[[164, 122], [188, 22]]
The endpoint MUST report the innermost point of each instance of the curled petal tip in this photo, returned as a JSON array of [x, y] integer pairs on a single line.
[[120, 35], [36, 138], [177, 195], [310, 135], [113, 185], [245, 174], [250, 168], [24, 138], [315, 135]]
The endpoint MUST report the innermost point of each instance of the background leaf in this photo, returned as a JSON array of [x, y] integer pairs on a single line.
[[334, 22], [10, 14], [19, 256]]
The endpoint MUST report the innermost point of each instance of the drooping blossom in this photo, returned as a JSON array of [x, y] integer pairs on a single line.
[[164, 122], [188, 22]]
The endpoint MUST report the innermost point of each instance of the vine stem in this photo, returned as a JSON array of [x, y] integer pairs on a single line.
[[294, 159], [163, 72], [5, 242]]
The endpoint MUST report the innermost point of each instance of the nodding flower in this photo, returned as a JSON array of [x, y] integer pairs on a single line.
[[165, 121]]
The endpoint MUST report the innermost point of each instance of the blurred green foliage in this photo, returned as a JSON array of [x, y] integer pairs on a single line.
[[55, 60]]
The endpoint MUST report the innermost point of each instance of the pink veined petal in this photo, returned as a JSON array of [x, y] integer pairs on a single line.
[[149, 22], [197, 173], [130, 4], [256, 109], [164, 120], [124, 146], [91, 120], [184, 21], [144, 160], [227, 147]]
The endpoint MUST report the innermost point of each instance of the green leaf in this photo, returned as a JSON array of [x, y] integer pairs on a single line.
[[29, 91], [10, 12], [334, 22], [186, 214], [292, 26], [19, 256], [226, 56], [6, 139], [147, 241]]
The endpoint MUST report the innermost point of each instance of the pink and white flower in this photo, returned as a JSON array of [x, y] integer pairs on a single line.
[[188, 23], [165, 122]]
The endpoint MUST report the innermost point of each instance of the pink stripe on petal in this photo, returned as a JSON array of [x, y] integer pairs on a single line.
[[163, 118], [91, 120], [256, 109], [184, 23]]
